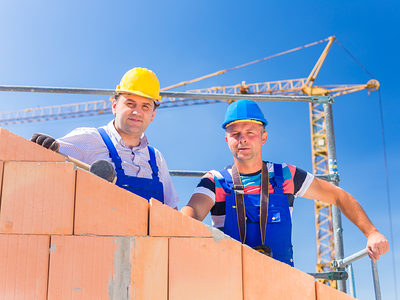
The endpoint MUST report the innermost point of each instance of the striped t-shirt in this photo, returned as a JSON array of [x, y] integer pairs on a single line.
[[296, 183]]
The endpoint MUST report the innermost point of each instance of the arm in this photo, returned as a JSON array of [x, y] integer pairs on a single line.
[[170, 195], [328, 193], [198, 207]]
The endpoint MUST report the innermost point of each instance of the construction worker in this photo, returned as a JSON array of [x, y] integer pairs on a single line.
[[252, 200], [140, 168]]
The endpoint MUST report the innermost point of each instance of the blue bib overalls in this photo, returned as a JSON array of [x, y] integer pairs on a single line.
[[144, 187], [279, 223]]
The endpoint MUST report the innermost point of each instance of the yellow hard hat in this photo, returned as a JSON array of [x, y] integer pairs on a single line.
[[141, 82]]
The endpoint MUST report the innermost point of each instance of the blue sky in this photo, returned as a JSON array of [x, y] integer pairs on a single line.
[[91, 44]]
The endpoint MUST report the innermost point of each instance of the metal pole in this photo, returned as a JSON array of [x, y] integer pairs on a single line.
[[341, 275], [191, 173], [336, 215], [377, 286], [169, 94], [349, 259], [352, 283], [187, 173]]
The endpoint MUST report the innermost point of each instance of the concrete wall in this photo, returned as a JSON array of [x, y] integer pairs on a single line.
[[67, 234]]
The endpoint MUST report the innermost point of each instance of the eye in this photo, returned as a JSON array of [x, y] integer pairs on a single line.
[[146, 107]]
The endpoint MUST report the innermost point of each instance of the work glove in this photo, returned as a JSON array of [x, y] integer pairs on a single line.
[[45, 141]]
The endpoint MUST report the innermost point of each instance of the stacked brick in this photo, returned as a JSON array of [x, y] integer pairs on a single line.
[[67, 234]]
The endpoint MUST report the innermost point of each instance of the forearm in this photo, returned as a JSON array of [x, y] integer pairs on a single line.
[[190, 212], [198, 207], [355, 213], [328, 193]]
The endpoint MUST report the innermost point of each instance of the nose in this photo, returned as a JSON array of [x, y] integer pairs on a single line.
[[137, 110], [242, 138]]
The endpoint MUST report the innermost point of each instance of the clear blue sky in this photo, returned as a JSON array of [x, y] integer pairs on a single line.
[[91, 44]]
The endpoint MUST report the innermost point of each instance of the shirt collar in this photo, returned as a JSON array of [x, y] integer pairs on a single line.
[[117, 138]]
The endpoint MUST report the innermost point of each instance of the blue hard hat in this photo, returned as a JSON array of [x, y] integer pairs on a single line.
[[244, 109]]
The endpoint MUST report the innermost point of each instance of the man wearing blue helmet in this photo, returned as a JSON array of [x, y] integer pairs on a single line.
[[252, 200]]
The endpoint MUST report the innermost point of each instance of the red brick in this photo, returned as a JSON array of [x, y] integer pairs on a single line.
[[81, 267], [266, 278], [14, 147], [150, 268], [201, 268], [93, 267], [103, 208], [24, 266], [324, 292], [37, 198], [166, 221]]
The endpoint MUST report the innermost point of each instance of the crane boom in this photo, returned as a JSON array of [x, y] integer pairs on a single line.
[[93, 108]]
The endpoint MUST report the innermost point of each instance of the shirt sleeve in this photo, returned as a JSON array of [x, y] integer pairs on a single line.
[[301, 180], [206, 186], [83, 144], [170, 195]]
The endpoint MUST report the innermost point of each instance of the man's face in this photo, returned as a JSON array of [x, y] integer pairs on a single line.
[[245, 140], [133, 114]]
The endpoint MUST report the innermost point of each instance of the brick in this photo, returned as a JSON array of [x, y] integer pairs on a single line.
[[81, 267], [266, 278], [37, 198], [14, 147], [103, 208], [324, 292], [24, 266], [94, 267], [166, 221], [201, 268], [150, 268]]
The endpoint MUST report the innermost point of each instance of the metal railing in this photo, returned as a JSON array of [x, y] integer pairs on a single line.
[[347, 262]]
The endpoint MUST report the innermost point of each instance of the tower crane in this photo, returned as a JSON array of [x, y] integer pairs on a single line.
[[301, 86]]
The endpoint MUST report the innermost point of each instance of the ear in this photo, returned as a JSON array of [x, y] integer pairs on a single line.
[[153, 115], [113, 106], [264, 137]]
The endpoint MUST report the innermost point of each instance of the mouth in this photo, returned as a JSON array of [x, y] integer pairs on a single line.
[[135, 120]]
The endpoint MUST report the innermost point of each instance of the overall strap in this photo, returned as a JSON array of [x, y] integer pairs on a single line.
[[278, 179], [228, 179], [112, 152], [153, 163], [239, 199], [264, 199]]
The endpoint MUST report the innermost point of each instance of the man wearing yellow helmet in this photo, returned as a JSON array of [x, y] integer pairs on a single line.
[[140, 168]]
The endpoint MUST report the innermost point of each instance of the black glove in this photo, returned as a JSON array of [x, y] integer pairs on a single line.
[[45, 141]]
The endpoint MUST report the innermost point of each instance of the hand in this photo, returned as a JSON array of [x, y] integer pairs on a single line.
[[377, 245], [45, 141]]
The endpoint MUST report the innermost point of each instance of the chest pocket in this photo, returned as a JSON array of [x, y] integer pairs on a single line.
[[253, 214], [274, 216]]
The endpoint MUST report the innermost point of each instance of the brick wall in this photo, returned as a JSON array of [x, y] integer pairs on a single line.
[[67, 234]]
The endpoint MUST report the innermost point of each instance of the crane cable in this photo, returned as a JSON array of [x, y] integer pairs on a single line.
[[385, 167], [243, 65]]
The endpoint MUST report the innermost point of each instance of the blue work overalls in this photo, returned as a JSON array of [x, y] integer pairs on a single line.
[[144, 187], [279, 224]]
